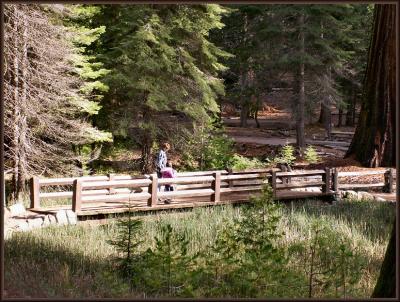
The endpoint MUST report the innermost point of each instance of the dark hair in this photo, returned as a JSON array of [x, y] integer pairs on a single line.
[[165, 146]]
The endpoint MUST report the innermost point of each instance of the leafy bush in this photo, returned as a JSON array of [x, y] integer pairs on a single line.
[[208, 150], [239, 162], [311, 155]]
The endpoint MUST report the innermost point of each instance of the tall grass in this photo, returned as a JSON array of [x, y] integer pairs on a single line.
[[76, 261]]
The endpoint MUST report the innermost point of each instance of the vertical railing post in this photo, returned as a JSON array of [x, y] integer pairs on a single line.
[[230, 181], [274, 184], [336, 181], [285, 180], [77, 195], [153, 190], [389, 181], [111, 189], [35, 189], [326, 178], [216, 186], [335, 184]]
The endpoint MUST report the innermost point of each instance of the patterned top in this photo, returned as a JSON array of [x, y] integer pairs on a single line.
[[161, 160]]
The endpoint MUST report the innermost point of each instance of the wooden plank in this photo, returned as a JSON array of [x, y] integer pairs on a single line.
[[185, 180], [91, 212], [153, 190], [350, 186], [77, 195], [68, 194], [216, 186], [55, 195], [300, 185], [95, 209], [199, 173], [256, 181], [117, 197], [244, 176], [134, 183], [241, 189], [69, 180], [300, 173], [198, 186], [188, 193], [35, 192], [259, 170], [361, 173]]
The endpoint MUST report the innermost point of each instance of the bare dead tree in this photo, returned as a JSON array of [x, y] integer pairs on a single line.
[[41, 94]]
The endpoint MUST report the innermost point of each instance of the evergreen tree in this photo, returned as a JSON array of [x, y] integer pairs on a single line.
[[127, 244], [164, 70]]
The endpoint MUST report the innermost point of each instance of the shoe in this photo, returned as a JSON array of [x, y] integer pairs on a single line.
[[167, 201]]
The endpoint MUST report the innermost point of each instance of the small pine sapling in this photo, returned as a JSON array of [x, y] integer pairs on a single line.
[[286, 156], [311, 155], [127, 244], [257, 231], [168, 265]]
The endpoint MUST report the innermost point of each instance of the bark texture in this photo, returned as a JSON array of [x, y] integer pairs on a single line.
[[300, 138], [386, 285], [374, 140]]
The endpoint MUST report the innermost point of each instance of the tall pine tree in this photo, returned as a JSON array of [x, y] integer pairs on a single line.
[[164, 70]]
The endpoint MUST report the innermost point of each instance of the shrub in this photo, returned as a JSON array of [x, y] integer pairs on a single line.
[[208, 150], [311, 155], [239, 162]]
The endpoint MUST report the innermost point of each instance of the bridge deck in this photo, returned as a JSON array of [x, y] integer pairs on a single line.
[[110, 207]]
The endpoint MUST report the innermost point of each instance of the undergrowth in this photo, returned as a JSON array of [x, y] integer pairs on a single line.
[[259, 250]]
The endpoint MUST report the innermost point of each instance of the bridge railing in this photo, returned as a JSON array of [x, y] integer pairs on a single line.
[[387, 182], [212, 184]]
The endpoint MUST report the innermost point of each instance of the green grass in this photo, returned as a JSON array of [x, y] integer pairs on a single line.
[[76, 261]]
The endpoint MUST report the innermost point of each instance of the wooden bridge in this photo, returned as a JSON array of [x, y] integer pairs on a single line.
[[93, 195]]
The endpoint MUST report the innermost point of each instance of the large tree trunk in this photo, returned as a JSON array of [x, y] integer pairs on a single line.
[[244, 113], [327, 118], [146, 144], [340, 118], [351, 110], [386, 285], [256, 118], [300, 137], [147, 163], [374, 140]]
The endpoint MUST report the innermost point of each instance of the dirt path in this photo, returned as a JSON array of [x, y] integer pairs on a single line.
[[272, 141]]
